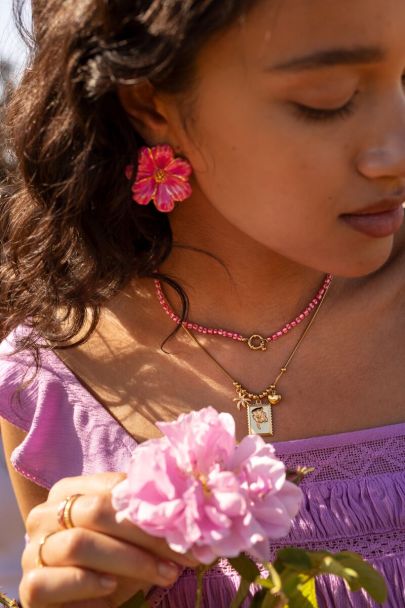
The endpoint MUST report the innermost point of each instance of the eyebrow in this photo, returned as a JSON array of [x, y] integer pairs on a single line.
[[330, 58]]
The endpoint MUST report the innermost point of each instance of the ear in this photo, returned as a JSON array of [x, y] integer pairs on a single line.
[[145, 111]]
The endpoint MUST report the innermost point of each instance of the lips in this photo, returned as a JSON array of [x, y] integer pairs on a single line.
[[379, 220], [387, 204]]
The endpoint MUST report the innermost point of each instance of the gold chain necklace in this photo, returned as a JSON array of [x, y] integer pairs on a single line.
[[259, 405]]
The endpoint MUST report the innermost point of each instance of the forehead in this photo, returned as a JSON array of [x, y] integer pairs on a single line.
[[297, 23], [275, 30]]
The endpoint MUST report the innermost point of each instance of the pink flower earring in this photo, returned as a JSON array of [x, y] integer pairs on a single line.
[[161, 178]]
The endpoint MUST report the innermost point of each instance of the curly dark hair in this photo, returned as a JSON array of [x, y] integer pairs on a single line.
[[71, 236]]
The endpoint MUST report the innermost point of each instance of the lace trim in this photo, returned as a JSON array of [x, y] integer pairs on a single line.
[[365, 459], [371, 546], [360, 544]]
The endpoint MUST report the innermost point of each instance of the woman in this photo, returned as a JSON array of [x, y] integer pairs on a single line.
[[285, 249]]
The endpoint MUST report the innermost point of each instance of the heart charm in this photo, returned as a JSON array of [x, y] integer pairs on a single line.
[[274, 398]]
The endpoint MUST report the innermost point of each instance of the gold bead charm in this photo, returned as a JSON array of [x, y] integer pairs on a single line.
[[274, 397]]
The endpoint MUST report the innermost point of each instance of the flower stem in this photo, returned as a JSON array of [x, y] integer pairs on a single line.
[[200, 571]]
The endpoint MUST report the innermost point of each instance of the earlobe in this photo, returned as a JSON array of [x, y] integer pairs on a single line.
[[139, 102]]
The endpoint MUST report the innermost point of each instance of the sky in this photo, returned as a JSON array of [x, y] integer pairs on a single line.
[[11, 46]]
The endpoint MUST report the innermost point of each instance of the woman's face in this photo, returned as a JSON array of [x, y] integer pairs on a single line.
[[298, 120]]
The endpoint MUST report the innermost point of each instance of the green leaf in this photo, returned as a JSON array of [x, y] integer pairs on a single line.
[[137, 601], [274, 577], [297, 475], [291, 582], [274, 601], [331, 565], [267, 583], [296, 559], [349, 566], [245, 567], [305, 595], [308, 590], [358, 574], [300, 601], [257, 601], [263, 599]]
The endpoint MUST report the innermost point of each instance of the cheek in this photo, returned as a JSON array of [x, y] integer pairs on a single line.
[[263, 174], [285, 186]]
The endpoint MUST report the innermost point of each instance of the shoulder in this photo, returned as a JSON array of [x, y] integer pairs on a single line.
[[27, 492], [26, 382], [67, 431]]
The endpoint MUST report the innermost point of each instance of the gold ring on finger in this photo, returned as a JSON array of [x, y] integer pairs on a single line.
[[40, 558], [8, 602], [64, 514]]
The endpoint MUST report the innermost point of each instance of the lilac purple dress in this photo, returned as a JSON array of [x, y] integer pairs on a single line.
[[354, 500]]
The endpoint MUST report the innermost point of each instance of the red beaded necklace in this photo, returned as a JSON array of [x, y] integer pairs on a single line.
[[255, 341]]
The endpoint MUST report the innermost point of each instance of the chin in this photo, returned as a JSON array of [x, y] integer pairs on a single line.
[[362, 261]]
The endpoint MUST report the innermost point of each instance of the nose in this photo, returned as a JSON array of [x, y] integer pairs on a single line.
[[383, 155]]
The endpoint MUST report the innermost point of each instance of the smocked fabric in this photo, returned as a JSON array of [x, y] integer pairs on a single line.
[[354, 499]]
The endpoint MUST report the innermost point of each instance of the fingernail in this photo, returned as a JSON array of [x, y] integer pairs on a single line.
[[167, 570], [108, 582]]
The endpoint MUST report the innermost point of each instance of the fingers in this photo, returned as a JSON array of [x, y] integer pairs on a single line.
[[92, 550], [89, 484], [95, 512], [77, 559], [45, 587]]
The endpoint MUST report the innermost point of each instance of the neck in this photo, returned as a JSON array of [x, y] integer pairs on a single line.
[[232, 281]]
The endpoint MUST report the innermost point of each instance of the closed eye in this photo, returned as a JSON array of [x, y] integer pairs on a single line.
[[324, 114]]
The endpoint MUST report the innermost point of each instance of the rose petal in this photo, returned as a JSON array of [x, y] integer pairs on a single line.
[[226, 494], [201, 439], [218, 518], [263, 474], [292, 497], [159, 517], [204, 554], [182, 487], [274, 515], [250, 445], [261, 550]]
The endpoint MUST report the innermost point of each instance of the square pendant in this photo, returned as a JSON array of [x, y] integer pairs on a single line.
[[260, 420]]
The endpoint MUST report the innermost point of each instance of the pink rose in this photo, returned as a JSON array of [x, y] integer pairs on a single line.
[[203, 492]]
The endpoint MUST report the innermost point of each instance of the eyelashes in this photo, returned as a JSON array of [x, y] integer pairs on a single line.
[[314, 115], [322, 114]]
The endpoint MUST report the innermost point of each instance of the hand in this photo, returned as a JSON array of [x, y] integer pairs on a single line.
[[98, 563]]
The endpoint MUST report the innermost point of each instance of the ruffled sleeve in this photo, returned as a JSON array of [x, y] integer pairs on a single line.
[[68, 432]]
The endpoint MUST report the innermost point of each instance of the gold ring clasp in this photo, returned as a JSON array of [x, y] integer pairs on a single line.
[[257, 342]]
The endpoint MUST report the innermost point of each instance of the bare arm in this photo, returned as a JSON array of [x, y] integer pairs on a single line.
[[28, 494]]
